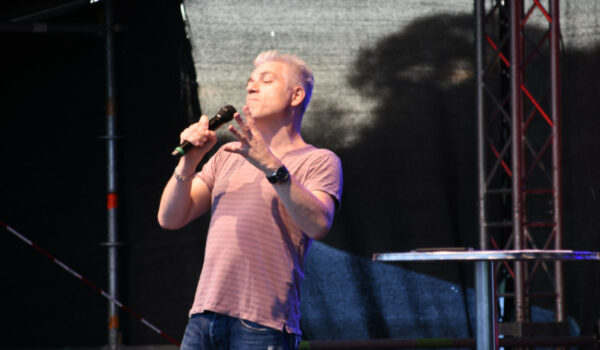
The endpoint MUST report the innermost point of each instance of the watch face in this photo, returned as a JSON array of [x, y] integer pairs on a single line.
[[282, 174]]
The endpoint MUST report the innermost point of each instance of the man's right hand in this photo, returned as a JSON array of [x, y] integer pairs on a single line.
[[201, 137], [184, 200]]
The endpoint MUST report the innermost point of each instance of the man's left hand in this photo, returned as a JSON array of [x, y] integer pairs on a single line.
[[251, 144]]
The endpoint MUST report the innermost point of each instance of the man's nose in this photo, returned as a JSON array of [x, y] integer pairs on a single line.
[[252, 87]]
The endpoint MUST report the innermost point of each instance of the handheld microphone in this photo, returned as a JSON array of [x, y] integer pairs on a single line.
[[223, 116]]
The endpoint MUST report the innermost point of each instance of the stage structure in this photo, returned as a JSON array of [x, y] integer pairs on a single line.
[[519, 154], [111, 167], [35, 23]]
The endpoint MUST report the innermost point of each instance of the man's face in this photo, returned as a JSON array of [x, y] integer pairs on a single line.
[[268, 90]]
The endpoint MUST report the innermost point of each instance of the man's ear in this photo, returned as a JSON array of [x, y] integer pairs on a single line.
[[298, 95]]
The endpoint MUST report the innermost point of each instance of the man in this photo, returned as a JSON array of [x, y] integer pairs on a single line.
[[270, 194]]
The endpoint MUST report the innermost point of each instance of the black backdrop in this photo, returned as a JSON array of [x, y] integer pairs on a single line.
[[410, 182]]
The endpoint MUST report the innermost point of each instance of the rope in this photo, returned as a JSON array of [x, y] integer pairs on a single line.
[[88, 282]]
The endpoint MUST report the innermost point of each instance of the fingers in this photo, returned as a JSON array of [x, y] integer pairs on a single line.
[[198, 133], [243, 124], [235, 147], [203, 121], [244, 135], [241, 137], [247, 111], [249, 118], [246, 129], [239, 120]]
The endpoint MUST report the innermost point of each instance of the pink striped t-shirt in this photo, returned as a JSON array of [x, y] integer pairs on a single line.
[[254, 259]]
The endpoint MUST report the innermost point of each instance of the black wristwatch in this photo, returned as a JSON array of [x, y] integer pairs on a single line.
[[280, 174]]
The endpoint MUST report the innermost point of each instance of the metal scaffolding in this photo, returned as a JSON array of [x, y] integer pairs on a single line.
[[519, 117], [111, 137], [26, 24]]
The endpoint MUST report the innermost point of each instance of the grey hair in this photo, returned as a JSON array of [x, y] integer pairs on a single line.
[[304, 75]]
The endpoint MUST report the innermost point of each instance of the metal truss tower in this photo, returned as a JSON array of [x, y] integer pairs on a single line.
[[519, 117]]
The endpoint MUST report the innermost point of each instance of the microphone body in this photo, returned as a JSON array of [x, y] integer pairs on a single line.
[[223, 116]]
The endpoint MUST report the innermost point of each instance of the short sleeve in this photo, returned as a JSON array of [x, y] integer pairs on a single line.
[[325, 174], [208, 173]]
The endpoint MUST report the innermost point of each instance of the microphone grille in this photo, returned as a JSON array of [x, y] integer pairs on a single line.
[[226, 113]]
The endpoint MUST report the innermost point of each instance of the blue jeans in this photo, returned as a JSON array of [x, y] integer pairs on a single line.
[[212, 331]]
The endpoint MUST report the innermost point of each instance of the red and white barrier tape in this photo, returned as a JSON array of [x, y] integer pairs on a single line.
[[86, 281]]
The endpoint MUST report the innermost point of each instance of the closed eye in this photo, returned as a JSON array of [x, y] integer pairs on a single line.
[[267, 78]]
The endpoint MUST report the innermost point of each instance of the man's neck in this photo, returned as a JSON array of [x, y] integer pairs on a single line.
[[283, 137]]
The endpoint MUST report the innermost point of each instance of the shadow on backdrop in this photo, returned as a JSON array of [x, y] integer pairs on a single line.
[[409, 183], [411, 180]]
